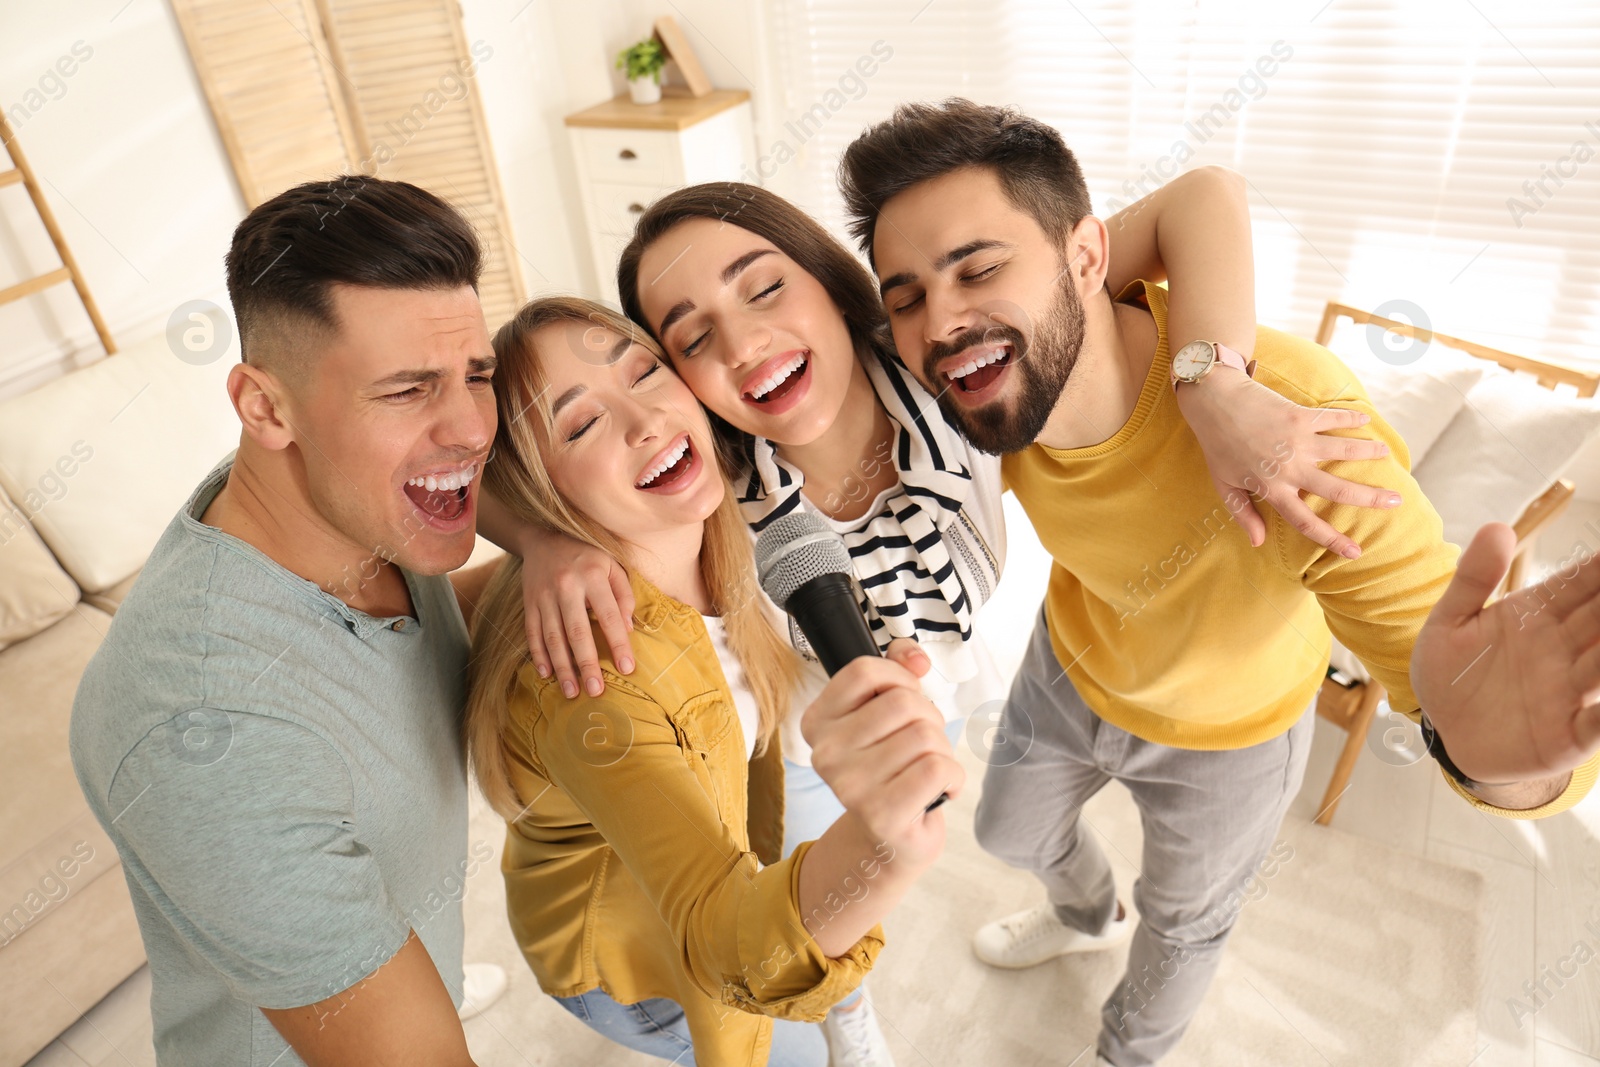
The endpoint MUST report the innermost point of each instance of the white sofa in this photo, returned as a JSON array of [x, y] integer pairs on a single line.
[[93, 466]]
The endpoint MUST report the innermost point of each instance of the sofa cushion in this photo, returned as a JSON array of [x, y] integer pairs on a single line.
[[34, 590], [68, 934], [1419, 399], [1511, 440], [40, 798], [111, 599], [102, 458], [49, 978]]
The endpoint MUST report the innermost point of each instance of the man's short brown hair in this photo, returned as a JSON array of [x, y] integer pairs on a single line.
[[354, 230], [920, 142]]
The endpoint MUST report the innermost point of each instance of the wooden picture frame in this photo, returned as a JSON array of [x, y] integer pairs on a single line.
[[678, 49]]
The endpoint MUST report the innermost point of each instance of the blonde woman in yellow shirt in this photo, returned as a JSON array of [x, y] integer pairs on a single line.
[[642, 866]]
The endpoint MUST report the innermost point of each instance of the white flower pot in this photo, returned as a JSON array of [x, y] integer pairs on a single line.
[[645, 90]]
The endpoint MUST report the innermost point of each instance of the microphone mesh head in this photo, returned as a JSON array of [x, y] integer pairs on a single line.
[[793, 550]]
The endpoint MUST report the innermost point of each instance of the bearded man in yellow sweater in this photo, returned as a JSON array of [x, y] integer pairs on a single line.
[[1171, 655]]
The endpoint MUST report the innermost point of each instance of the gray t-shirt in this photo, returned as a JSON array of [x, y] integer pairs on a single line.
[[285, 780]]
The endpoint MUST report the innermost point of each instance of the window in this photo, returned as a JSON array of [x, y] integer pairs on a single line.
[[1445, 156]]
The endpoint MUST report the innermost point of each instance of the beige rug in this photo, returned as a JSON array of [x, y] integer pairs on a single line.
[[1353, 954]]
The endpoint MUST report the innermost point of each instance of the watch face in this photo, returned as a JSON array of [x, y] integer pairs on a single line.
[[1193, 360]]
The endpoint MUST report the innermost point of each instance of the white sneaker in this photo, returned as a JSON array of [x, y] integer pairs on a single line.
[[482, 985], [1030, 937], [854, 1037]]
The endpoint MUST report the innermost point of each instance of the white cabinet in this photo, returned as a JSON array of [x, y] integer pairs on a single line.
[[629, 154]]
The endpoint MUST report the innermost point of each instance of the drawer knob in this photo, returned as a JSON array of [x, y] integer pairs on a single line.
[[635, 208], [627, 153]]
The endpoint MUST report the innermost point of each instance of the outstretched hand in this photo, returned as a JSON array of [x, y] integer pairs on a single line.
[[1513, 688]]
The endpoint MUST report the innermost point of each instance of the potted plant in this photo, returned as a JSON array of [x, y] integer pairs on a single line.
[[642, 64]]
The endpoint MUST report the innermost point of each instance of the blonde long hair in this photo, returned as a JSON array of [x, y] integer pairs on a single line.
[[517, 477]]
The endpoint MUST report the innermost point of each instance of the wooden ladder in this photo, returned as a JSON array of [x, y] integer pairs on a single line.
[[20, 172]]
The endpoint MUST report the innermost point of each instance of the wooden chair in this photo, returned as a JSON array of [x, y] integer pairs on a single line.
[[1352, 707]]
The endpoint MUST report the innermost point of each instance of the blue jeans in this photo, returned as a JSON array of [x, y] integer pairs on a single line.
[[656, 1027]]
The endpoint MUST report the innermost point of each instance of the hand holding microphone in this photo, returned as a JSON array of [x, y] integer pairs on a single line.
[[876, 740], [880, 745]]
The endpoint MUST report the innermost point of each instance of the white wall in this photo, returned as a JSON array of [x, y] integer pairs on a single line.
[[129, 157], [728, 37], [129, 160], [526, 90], [735, 44]]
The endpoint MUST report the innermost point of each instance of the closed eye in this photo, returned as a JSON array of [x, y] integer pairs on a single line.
[[581, 430], [688, 350], [404, 394], [768, 291], [654, 366], [975, 276]]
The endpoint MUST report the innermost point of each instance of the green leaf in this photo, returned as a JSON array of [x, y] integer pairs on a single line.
[[643, 60]]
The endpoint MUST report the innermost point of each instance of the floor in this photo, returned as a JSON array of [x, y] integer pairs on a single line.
[[1540, 999]]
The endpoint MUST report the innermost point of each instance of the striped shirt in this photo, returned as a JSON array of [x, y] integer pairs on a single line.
[[929, 551]]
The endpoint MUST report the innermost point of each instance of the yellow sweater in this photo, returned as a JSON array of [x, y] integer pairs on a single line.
[[1170, 625]]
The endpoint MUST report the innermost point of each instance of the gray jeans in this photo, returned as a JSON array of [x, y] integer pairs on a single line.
[[1209, 820]]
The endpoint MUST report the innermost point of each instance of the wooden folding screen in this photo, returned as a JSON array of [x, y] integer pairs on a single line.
[[411, 90], [305, 89], [267, 75]]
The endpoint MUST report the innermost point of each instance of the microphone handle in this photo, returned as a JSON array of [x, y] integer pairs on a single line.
[[826, 610], [828, 614]]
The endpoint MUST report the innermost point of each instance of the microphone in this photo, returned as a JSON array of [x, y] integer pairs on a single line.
[[805, 568]]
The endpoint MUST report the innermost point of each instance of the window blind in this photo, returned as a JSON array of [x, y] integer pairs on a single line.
[[1442, 161]]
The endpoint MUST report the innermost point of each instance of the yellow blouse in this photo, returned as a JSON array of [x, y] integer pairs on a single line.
[[634, 866]]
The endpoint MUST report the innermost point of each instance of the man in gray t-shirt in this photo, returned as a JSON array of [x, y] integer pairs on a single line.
[[282, 775], [271, 731]]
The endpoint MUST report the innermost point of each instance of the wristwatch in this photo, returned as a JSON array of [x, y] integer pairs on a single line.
[[1194, 361], [1435, 747]]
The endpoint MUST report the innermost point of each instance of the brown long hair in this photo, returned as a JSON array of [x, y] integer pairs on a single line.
[[797, 235], [519, 480]]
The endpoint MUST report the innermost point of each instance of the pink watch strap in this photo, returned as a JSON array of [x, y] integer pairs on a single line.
[[1231, 358], [1227, 357]]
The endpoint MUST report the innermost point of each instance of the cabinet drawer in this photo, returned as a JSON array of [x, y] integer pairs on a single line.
[[617, 207], [648, 157]]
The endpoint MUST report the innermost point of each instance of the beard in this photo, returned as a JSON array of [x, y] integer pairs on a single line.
[[1041, 364]]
